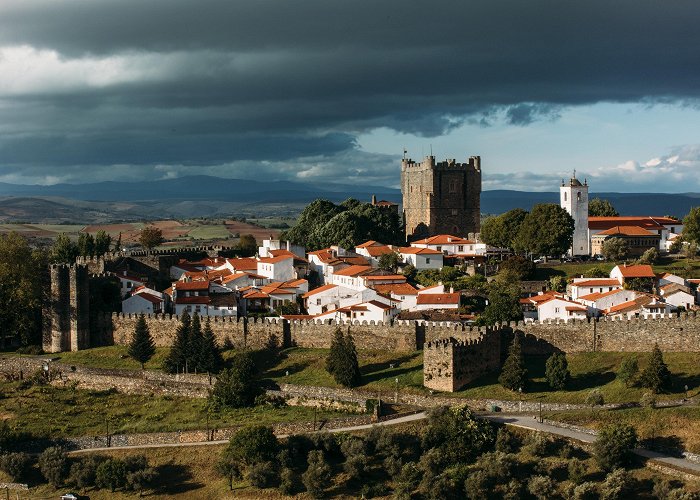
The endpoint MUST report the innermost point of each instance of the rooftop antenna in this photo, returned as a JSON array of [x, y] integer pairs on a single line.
[[404, 152], [431, 150]]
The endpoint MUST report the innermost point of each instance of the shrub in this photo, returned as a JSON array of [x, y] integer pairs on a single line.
[[263, 474], [289, 482], [254, 444], [595, 398], [235, 386], [585, 491], [506, 442], [537, 444], [83, 473], [53, 464], [614, 445], [355, 458], [617, 485], [317, 475], [541, 487], [17, 465], [628, 371], [407, 480], [111, 474], [648, 400], [577, 470], [557, 371]]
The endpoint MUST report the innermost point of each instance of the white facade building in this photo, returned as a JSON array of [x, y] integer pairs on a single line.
[[574, 199]]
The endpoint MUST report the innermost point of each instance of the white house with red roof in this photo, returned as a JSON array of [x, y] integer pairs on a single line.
[[372, 310], [280, 268], [452, 245], [598, 302], [561, 309], [678, 295], [429, 301], [240, 265], [664, 227], [406, 293], [529, 305], [586, 286], [373, 250], [668, 278], [272, 244], [127, 283], [624, 272], [422, 258], [324, 263], [644, 305], [145, 300], [350, 277], [182, 267]]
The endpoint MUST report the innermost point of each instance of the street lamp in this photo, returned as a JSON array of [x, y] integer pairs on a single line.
[[396, 398], [520, 393]]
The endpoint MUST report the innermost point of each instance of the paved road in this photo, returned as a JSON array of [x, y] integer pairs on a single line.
[[523, 421], [531, 423]]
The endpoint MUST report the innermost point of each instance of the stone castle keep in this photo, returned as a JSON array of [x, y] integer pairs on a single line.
[[441, 198], [66, 315]]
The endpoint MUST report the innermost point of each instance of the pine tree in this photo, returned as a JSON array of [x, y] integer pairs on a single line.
[[332, 361], [557, 371], [656, 376], [514, 374], [141, 347], [177, 356], [210, 360], [194, 347], [342, 360]]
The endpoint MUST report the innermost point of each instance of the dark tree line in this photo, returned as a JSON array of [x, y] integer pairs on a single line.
[[194, 350], [323, 223]]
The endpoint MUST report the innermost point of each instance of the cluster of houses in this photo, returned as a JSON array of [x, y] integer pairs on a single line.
[[630, 291], [349, 284]]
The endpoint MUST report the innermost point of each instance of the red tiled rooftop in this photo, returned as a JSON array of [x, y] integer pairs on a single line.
[[438, 298]]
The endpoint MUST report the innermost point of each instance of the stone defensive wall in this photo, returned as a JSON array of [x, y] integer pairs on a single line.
[[675, 333]]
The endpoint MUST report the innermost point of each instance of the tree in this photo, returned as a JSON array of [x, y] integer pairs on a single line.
[[389, 261], [103, 242], [650, 256], [210, 360], [615, 249], [596, 272], [230, 467], [558, 283], [17, 465], [557, 371], [21, 289], [83, 473], [141, 347], [234, 386], [342, 360], [547, 230], [247, 246], [150, 237], [601, 208], [613, 446], [111, 474], [141, 479], [196, 341], [255, 444], [656, 376], [691, 226], [86, 244], [457, 434], [628, 371], [63, 251], [53, 464], [521, 267], [177, 359], [541, 487], [514, 374], [618, 485], [318, 475], [503, 304], [501, 231]]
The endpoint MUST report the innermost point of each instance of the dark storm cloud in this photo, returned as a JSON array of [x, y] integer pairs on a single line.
[[217, 82]]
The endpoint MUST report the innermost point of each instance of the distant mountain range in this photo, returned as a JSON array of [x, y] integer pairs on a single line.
[[202, 196]]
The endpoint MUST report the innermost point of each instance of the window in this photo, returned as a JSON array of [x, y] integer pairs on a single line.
[[578, 196], [439, 249], [318, 302], [460, 248], [454, 187], [427, 260], [556, 309], [564, 195], [454, 211]]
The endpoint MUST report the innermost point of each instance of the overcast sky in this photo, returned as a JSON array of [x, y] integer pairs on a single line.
[[328, 91]]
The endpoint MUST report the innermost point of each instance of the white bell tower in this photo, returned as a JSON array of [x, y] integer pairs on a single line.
[[574, 199]]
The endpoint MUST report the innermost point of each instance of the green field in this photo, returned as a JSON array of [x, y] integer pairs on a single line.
[[48, 411]]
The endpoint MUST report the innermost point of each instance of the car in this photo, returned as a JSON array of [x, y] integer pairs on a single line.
[[538, 261]]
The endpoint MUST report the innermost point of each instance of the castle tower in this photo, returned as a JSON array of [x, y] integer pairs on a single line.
[[441, 198], [67, 320], [574, 199]]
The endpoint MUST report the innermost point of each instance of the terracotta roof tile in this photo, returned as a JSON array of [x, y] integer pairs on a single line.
[[438, 298]]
